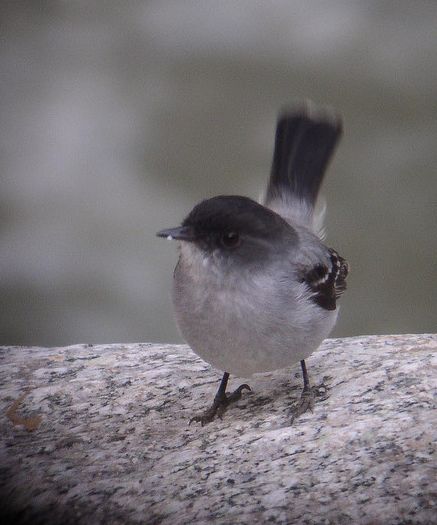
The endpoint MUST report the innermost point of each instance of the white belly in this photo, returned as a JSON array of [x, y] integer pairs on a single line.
[[249, 324]]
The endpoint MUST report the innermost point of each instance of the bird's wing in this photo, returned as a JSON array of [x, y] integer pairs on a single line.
[[327, 281]]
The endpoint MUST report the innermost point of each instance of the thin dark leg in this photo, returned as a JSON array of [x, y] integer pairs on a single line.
[[306, 379], [309, 394], [221, 401], [221, 392]]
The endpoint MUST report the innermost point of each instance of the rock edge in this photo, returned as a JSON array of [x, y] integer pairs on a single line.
[[99, 434]]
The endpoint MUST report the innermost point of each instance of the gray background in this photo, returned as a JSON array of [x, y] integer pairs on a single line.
[[117, 117]]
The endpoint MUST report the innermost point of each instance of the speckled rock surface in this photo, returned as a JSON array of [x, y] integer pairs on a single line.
[[100, 434]]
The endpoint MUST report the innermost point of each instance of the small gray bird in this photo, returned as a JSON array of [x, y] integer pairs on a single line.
[[255, 289]]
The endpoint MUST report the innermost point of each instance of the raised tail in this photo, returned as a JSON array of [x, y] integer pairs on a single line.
[[305, 141]]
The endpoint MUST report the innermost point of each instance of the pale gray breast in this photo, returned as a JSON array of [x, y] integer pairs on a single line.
[[243, 321]]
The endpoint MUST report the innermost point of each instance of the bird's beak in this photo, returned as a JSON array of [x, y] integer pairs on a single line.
[[181, 233]]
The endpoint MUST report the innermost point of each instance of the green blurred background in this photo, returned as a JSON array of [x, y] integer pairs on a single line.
[[117, 117]]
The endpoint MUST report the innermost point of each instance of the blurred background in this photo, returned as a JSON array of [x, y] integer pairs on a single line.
[[117, 117]]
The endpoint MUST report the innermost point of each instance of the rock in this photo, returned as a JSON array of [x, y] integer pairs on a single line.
[[100, 434]]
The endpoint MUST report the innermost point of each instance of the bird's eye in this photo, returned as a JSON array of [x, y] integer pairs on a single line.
[[230, 239]]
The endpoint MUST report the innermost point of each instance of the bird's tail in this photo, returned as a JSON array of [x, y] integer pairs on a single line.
[[305, 141]]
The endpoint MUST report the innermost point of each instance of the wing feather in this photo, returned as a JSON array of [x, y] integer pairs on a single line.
[[328, 281]]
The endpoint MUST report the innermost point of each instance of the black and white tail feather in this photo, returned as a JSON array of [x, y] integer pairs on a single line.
[[304, 144]]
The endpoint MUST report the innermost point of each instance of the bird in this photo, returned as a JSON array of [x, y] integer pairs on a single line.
[[255, 288]]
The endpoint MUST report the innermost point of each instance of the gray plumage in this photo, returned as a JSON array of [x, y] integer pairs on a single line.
[[255, 288]]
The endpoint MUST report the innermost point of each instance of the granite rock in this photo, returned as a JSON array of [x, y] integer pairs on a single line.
[[100, 434]]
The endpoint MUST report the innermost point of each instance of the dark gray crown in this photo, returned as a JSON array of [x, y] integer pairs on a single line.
[[229, 213]]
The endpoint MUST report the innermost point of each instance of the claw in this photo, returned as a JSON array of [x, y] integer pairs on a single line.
[[203, 420], [236, 394], [308, 399], [219, 406]]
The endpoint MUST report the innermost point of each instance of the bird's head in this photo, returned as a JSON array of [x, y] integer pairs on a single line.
[[233, 228]]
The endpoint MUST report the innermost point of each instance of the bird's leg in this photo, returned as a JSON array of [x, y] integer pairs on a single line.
[[309, 394], [221, 401]]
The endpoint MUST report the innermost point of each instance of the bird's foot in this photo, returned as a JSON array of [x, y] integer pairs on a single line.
[[219, 406], [308, 399]]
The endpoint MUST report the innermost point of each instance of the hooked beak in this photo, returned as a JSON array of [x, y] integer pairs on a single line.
[[181, 233]]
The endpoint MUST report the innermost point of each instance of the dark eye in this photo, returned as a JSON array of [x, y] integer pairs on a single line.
[[230, 239]]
